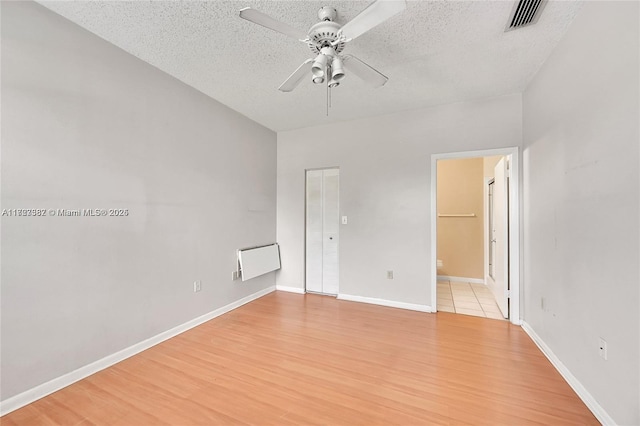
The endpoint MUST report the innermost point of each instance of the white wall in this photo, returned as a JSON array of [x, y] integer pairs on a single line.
[[86, 125], [581, 204], [384, 190]]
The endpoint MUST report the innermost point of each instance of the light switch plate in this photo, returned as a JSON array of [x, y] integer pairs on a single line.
[[344, 220]]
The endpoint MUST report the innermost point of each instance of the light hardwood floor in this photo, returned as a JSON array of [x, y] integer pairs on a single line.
[[306, 359]]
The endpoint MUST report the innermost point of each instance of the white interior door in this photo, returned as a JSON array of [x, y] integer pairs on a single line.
[[498, 279], [314, 237], [322, 230], [330, 228]]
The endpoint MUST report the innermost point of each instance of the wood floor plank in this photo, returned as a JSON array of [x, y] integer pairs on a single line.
[[288, 359]]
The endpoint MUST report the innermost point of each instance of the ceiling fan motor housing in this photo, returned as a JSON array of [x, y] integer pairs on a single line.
[[323, 34]]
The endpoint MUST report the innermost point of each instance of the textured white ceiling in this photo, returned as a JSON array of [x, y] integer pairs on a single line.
[[435, 52]]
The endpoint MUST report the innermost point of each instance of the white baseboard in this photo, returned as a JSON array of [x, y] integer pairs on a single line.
[[575, 384], [383, 302], [290, 289], [40, 391], [460, 279]]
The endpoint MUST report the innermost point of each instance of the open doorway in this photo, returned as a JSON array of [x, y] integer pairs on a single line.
[[474, 254]]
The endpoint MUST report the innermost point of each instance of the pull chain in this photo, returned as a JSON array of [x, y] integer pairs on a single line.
[[328, 89]]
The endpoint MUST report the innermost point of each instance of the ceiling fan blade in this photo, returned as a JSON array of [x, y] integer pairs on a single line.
[[364, 71], [267, 21], [297, 76], [376, 13]]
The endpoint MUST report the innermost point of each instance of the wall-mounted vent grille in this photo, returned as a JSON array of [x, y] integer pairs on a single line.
[[525, 12]]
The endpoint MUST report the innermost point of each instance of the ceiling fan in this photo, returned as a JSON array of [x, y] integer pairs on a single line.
[[327, 40]]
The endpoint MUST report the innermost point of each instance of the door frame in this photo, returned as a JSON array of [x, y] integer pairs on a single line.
[[304, 251], [513, 155]]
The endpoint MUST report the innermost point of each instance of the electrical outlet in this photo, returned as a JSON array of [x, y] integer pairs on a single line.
[[235, 275], [602, 348], [389, 275], [197, 286]]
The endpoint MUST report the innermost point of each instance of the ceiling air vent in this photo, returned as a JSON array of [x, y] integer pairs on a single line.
[[525, 12]]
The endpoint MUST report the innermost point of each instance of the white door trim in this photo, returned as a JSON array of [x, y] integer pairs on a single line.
[[514, 222]]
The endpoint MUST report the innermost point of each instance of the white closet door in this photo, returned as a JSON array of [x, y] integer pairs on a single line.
[[330, 230], [314, 236], [322, 230], [500, 284]]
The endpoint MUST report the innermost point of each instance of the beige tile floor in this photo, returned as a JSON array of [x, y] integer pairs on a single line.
[[467, 298]]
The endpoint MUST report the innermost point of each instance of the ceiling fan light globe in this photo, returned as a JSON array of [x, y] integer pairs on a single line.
[[317, 72], [319, 66], [336, 67], [338, 76], [318, 80], [334, 83]]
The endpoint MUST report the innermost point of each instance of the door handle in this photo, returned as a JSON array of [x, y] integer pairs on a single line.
[[331, 238]]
